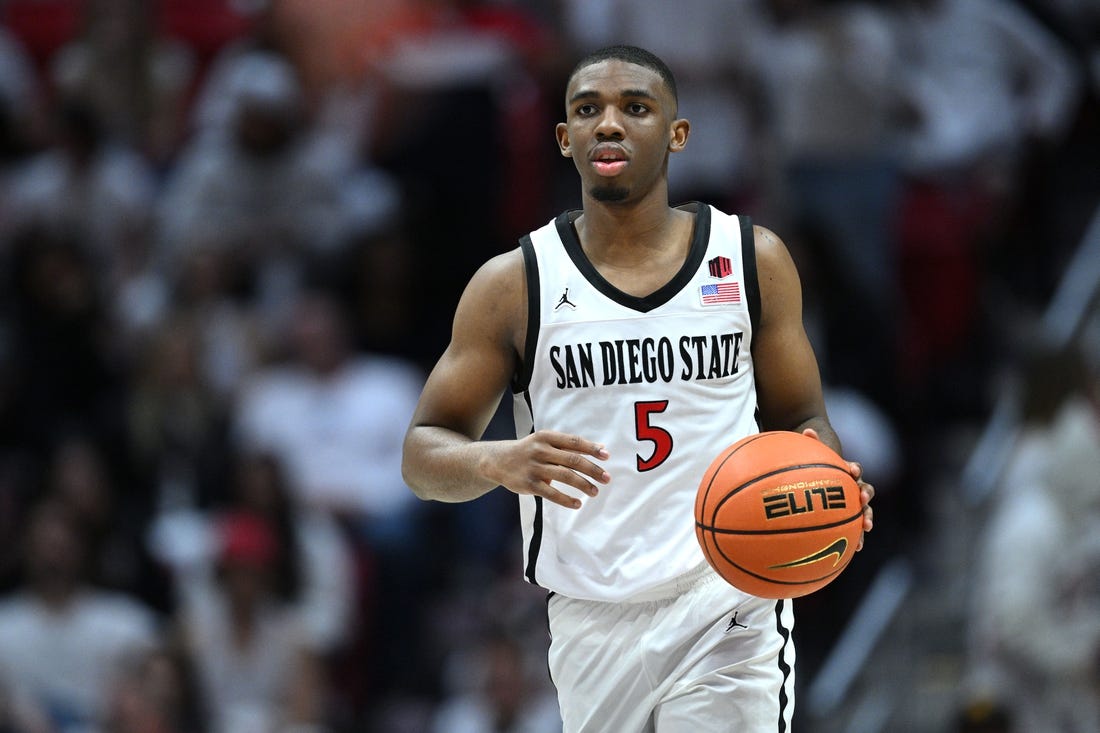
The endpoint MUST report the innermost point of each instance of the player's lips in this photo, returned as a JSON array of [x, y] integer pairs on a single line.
[[608, 159]]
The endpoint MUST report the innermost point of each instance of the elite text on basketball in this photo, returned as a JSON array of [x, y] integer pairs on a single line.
[[800, 500]]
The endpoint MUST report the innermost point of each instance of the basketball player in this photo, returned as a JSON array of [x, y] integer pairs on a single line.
[[638, 340]]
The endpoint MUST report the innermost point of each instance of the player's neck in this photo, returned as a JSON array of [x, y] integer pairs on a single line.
[[629, 230]]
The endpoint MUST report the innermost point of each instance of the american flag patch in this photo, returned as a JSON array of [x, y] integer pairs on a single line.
[[720, 293]]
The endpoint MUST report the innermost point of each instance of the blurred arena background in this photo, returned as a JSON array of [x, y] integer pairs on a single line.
[[233, 232]]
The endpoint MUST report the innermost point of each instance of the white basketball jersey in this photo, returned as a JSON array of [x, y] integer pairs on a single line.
[[665, 381]]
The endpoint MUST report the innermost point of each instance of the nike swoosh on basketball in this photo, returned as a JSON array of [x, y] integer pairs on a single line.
[[837, 548]]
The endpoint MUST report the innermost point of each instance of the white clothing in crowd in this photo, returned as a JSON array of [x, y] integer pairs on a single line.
[[986, 78], [1037, 594], [339, 434], [63, 661]]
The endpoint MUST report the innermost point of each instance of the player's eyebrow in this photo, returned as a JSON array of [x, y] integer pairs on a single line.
[[637, 94], [593, 94]]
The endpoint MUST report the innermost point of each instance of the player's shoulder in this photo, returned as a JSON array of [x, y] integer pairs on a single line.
[[497, 291], [766, 240], [772, 256], [777, 278]]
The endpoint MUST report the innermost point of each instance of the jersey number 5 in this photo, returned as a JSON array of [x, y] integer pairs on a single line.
[[646, 430]]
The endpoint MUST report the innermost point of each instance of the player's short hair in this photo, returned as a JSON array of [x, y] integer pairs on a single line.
[[631, 55]]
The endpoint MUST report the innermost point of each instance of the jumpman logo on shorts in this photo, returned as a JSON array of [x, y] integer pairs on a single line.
[[735, 624], [565, 301]]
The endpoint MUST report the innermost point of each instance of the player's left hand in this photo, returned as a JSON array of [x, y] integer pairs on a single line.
[[866, 491]]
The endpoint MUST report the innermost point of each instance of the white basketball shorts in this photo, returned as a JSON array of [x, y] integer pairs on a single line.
[[697, 656]]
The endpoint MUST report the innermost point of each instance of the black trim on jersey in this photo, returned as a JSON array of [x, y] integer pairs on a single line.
[[536, 543], [784, 665], [536, 522], [748, 264], [522, 379], [696, 253]]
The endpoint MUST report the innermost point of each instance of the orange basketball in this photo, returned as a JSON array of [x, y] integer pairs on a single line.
[[778, 515]]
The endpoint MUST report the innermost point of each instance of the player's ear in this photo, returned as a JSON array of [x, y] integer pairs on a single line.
[[678, 135], [561, 131]]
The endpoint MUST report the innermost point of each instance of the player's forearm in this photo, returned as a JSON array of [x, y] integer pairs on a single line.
[[441, 465]]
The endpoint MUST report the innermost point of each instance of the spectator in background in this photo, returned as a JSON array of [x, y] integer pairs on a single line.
[[987, 79], [378, 279], [254, 188], [989, 84], [177, 422], [217, 97], [61, 639], [1035, 618], [335, 417], [98, 492], [499, 692], [312, 569], [85, 182], [254, 667], [135, 79], [61, 341], [315, 571], [205, 298], [334, 140], [444, 72], [829, 75]]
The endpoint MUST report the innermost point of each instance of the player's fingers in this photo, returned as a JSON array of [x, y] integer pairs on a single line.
[[570, 451], [866, 492], [572, 478], [549, 493], [576, 444], [578, 463], [810, 432], [856, 469], [868, 519]]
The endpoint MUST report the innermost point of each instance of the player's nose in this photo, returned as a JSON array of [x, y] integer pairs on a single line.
[[610, 124]]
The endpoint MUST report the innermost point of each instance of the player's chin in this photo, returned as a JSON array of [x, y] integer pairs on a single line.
[[608, 194]]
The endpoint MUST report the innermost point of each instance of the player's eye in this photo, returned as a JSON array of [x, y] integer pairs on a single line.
[[637, 108], [586, 110]]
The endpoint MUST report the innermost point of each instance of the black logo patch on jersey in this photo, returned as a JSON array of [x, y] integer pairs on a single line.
[[735, 624], [564, 300]]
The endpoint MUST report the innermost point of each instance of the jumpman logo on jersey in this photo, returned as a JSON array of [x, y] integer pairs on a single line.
[[735, 624], [564, 300]]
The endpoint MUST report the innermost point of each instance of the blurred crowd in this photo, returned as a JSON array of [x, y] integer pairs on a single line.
[[233, 232]]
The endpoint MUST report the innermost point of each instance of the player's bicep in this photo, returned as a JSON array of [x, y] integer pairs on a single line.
[[788, 382], [464, 389]]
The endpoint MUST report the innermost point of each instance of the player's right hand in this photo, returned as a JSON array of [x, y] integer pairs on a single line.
[[529, 465]]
